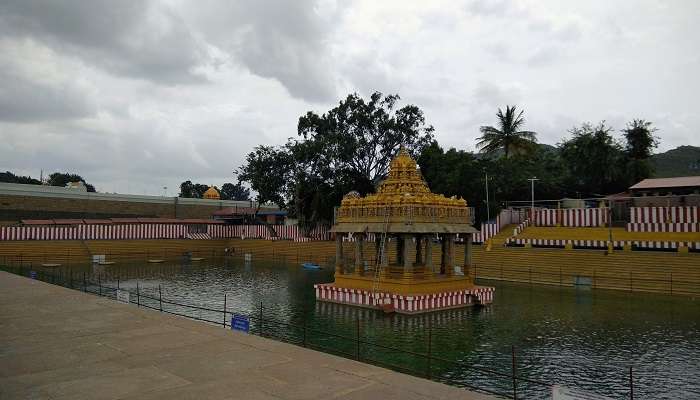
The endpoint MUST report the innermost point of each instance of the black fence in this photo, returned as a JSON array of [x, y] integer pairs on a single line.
[[426, 365], [664, 283]]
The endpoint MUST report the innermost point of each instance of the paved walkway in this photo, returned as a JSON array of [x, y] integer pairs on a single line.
[[57, 343]]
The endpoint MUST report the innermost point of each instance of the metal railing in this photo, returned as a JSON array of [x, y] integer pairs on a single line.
[[599, 279], [354, 347]]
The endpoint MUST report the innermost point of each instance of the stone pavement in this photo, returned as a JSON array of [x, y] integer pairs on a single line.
[[57, 343]]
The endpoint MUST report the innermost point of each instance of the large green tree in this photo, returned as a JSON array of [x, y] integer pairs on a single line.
[[62, 179], [460, 173], [349, 147], [192, 190], [360, 136], [238, 192], [9, 177], [640, 143], [594, 161], [508, 136], [267, 170]]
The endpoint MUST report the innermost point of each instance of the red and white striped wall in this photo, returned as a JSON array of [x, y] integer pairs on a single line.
[[151, 231], [571, 217], [521, 227], [487, 231], [288, 232], [94, 232], [598, 244], [405, 304], [662, 227], [665, 215]]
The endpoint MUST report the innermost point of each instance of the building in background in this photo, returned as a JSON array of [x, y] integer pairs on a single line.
[[665, 192], [23, 202]]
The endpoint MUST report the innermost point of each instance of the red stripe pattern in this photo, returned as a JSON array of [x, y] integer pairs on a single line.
[[571, 217], [405, 304], [599, 244], [663, 227], [690, 215], [155, 231]]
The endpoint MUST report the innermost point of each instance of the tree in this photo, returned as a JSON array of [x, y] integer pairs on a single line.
[[507, 137], [641, 141], [361, 137], [192, 190], [347, 148], [9, 177], [229, 191], [62, 179], [267, 170], [594, 160], [460, 173]]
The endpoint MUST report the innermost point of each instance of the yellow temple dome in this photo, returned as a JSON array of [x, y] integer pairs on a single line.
[[211, 194], [403, 197]]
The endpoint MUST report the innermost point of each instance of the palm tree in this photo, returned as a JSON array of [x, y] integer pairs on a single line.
[[508, 135]]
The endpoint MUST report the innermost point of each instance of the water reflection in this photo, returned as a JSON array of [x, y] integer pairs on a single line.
[[575, 337]]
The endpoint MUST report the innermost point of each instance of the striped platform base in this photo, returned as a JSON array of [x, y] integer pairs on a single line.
[[601, 244], [406, 304]]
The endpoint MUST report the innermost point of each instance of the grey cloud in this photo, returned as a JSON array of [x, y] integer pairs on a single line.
[[282, 40], [26, 101], [126, 37], [491, 96]]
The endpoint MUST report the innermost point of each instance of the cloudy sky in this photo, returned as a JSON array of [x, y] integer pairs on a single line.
[[136, 96]]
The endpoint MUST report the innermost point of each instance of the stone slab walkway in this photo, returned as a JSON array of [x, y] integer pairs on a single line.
[[57, 343]]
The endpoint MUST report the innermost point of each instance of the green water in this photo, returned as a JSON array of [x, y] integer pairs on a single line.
[[578, 338]]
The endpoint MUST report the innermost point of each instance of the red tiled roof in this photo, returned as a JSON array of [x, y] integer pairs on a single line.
[[199, 221], [125, 220], [681, 181], [68, 221], [158, 220], [37, 222]]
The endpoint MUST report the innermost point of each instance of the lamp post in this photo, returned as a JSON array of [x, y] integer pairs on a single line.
[[488, 209], [610, 233], [532, 201]]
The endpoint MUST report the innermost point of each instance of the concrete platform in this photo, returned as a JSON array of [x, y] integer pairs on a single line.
[[57, 343]]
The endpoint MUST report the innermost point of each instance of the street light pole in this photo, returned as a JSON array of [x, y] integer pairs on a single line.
[[532, 201], [488, 209]]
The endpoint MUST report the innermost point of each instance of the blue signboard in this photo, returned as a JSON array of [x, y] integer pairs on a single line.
[[240, 323], [32, 274]]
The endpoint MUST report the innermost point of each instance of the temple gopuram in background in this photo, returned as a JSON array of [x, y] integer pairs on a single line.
[[405, 242]]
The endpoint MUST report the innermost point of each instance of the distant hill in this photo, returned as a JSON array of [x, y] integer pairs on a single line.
[[681, 161]]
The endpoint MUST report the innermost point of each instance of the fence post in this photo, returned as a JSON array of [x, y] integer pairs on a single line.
[[160, 297], [631, 385], [99, 282], [224, 310], [117, 283], [304, 337], [71, 278], [430, 349], [630, 281], [515, 379], [357, 330], [138, 295], [261, 318]]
